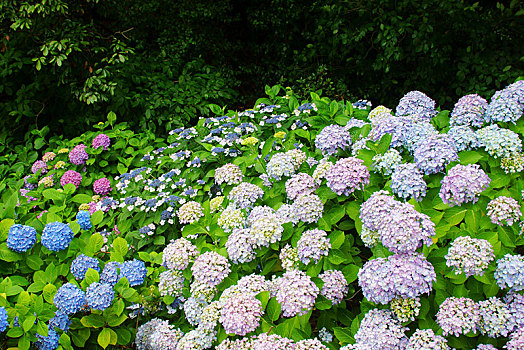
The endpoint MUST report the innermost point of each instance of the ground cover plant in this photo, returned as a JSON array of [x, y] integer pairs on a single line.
[[294, 225]]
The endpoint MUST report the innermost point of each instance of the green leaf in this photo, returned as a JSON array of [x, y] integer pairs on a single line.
[[343, 335], [351, 272], [104, 338], [336, 238], [5, 225], [96, 242], [97, 217], [273, 309], [49, 293], [91, 276], [470, 157], [34, 262], [455, 215], [53, 194], [29, 322], [7, 254], [120, 246], [81, 198]]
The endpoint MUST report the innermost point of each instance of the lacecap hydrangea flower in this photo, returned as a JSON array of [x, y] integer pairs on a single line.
[[102, 186], [416, 103], [426, 339], [510, 272], [499, 142], [21, 238], [78, 155], [99, 296], [229, 174], [335, 285], [210, 268], [503, 211], [69, 299], [387, 162], [101, 140], [178, 254], [81, 264], [496, 319], [469, 110], [245, 195], [463, 184], [380, 330], [83, 218], [134, 271], [458, 316], [190, 212], [296, 293], [312, 245], [470, 256], [407, 181], [434, 153], [56, 236], [347, 175], [241, 314], [299, 185], [332, 138], [71, 177]]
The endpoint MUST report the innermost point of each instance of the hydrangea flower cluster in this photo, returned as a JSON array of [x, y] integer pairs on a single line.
[[78, 155], [463, 184], [406, 309], [231, 218], [417, 104], [405, 275], [416, 132], [289, 258], [407, 181], [280, 164], [379, 330], [178, 254], [99, 296], [39, 165], [60, 321], [84, 220], [165, 336], [21, 238], [81, 264], [296, 293], [434, 153], [210, 268], [310, 344], [245, 195], [49, 342], [515, 303], [505, 107], [395, 126], [513, 164], [69, 299], [510, 272], [134, 271], [499, 142], [3, 319], [469, 110], [312, 245], [300, 184], [379, 112], [46, 181], [516, 340], [102, 186], [470, 256], [229, 174], [335, 286], [463, 137], [171, 283], [240, 245], [56, 236], [347, 175], [48, 156], [101, 140], [458, 316], [376, 208], [387, 162], [308, 208], [332, 138], [426, 339], [266, 229], [241, 314], [495, 318], [504, 211], [110, 273], [190, 212], [321, 170]]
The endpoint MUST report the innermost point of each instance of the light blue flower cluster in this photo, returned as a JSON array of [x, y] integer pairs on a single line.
[[333, 138], [60, 320], [56, 236], [507, 105], [134, 271], [463, 137], [109, 274], [49, 342], [99, 296], [416, 132], [84, 220], [434, 153], [469, 110], [510, 272], [416, 104], [387, 162], [499, 142], [21, 238], [407, 181], [69, 299], [81, 264], [3, 319]]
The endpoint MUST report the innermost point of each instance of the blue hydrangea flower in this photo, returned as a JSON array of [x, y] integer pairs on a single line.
[[3, 319], [407, 181], [56, 236], [135, 271], [84, 220], [21, 238], [69, 299], [110, 273], [463, 137], [434, 153], [81, 264], [60, 321], [99, 296], [50, 342], [504, 107]]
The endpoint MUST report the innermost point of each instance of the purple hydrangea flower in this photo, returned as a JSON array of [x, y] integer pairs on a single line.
[[313, 245], [496, 320], [101, 140], [71, 177], [427, 339], [380, 330], [245, 195], [296, 293], [266, 341], [21, 238], [335, 285], [332, 138], [516, 340], [102, 186], [407, 181], [470, 256], [416, 132], [463, 184], [417, 104], [39, 165], [78, 155], [310, 344], [240, 246], [463, 137], [308, 208], [396, 126], [458, 316], [504, 107], [504, 211], [376, 208], [469, 110], [515, 303], [81, 264], [347, 175], [299, 185], [178, 254], [434, 153]]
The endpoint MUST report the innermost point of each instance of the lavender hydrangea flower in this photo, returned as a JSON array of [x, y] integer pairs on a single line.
[[165, 337], [241, 314], [239, 246], [229, 174], [210, 268], [499, 142], [21, 238], [495, 318], [310, 344], [504, 107], [416, 132], [197, 339], [267, 229], [515, 303], [78, 155], [504, 211], [81, 264], [69, 299], [470, 256], [407, 181], [416, 103], [245, 195], [434, 153], [463, 137], [288, 214], [332, 138], [458, 316], [171, 283], [380, 330], [510, 272], [101, 140], [299, 185], [56, 236], [426, 339], [144, 332], [71, 177], [99, 296], [266, 341], [396, 126], [280, 164], [312, 245], [485, 347], [335, 285], [178, 254], [516, 340], [463, 183], [308, 208], [386, 163], [238, 344], [347, 175], [376, 208], [296, 293], [469, 110], [231, 218], [190, 212], [134, 271]]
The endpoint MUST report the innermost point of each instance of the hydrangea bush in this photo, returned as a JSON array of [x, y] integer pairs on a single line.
[[294, 225]]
